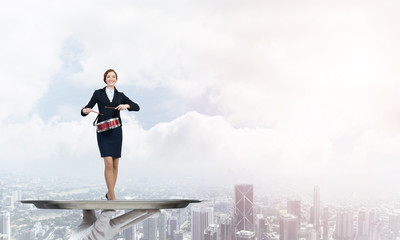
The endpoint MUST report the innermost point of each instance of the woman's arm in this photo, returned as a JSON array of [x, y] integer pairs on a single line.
[[132, 106], [87, 109]]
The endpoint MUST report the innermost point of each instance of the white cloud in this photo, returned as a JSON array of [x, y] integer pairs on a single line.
[[294, 85], [196, 143]]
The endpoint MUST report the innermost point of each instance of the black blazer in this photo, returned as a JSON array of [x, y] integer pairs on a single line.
[[100, 97]]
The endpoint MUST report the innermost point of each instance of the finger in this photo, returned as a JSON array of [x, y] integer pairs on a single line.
[[128, 217], [139, 219], [107, 213]]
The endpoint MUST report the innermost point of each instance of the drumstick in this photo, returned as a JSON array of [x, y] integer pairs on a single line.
[[94, 111]]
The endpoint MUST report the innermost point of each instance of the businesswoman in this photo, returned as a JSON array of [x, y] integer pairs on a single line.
[[108, 123]]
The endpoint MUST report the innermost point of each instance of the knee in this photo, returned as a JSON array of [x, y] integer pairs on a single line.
[[108, 165], [115, 166]]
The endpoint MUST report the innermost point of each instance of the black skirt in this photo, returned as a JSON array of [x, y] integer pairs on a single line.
[[110, 142]]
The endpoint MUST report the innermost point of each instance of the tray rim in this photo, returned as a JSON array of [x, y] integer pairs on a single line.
[[117, 204]]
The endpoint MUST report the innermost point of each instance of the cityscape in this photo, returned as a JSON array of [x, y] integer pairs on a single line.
[[237, 212]]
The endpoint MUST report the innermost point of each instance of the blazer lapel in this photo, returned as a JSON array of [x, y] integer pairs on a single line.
[[114, 97]]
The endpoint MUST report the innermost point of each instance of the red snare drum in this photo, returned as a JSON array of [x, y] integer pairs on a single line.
[[108, 125]]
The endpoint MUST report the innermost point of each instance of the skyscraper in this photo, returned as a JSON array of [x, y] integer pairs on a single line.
[[326, 223], [344, 226], [129, 233], [202, 217], [294, 208], [162, 226], [312, 234], [374, 225], [312, 216], [394, 222], [288, 227], [226, 228], [150, 228], [245, 235], [177, 235], [244, 218], [362, 229], [172, 226], [261, 228], [211, 232], [5, 233], [316, 208]]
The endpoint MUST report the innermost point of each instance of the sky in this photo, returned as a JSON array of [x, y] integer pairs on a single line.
[[230, 91]]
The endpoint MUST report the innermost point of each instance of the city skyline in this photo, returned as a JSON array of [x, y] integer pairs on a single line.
[[275, 215]]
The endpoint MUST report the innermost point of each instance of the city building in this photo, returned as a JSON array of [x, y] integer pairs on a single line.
[[394, 222], [311, 220], [312, 234], [226, 228], [177, 235], [150, 228], [326, 223], [288, 227], [374, 225], [172, 226], [244, 217], [245, 235], [362, 225], [162, 226], [201, 218], [261, 228], [344, 226], [129, 233], [5, 233], [294, 208], [317, 208], [211, 232]]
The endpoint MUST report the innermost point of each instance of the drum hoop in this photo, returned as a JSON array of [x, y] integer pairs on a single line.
[[108, 127], [109, 120]]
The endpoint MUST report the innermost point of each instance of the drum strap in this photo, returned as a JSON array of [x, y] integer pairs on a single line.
[[95, 121]]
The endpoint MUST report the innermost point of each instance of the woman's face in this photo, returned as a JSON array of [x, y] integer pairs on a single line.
[[111, 79]]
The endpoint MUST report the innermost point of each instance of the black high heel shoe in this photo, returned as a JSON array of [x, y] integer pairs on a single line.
[[106, 196]]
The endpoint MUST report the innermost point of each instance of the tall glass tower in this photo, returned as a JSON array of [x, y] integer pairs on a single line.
[[317, 209], [150, 228], [288, 227], [202, 217], [5, 225], [344, 225], [244, 214]]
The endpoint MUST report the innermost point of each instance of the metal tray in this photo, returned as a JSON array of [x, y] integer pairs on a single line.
[[118, 204]]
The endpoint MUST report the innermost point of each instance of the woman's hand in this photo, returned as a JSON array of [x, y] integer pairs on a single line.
[[87, 110], [122, 107]]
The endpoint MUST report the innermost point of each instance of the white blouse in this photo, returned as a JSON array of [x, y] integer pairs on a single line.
[[110, 94]]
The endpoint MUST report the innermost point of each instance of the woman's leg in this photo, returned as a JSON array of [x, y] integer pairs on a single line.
[[115, 171], [109, 176]]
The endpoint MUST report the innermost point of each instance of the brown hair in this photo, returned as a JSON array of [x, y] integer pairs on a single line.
[[109, 70]]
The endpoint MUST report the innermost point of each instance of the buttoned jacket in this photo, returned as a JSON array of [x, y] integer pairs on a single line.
[[100, 97]]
